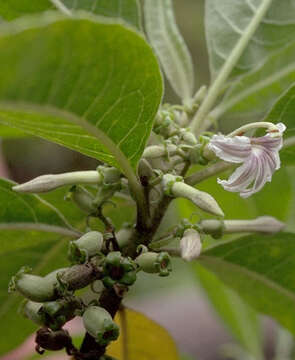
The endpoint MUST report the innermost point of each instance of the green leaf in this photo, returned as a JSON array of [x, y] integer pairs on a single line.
[[284, 111], [240, 318], [141, 338], [261, 269], [127, 10], [28, 212], [11, 9], [226, 22], [254, 94], [71, 81], [169, 45]]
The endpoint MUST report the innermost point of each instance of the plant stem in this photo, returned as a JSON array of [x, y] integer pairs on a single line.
[[206, 173], [228, 66]]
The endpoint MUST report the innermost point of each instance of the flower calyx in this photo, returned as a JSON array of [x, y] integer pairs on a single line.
[[155, 263], [87, 246], [118, 269], [100, 325]]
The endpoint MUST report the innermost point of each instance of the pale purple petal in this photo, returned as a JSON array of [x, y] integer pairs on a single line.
[[241, 178], [232, 149]]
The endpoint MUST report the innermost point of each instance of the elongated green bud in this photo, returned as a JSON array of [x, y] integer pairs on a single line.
[[152, 262], [31, 311], [262, 224], [190, 245], [174, 186], [35, 288], [157, 151], [83, 199], [100, 325], [86, 246], [51, 182]]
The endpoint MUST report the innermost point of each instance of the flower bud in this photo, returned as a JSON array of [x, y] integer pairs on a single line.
[[55, 314], [123, 236], [31, 311], [174, 186], [157, 151], [262, 224], [152, 262], [118, 270], [50, 182], [190, 245], [86, 246], [83, 199], [100, 325], [35, 288]]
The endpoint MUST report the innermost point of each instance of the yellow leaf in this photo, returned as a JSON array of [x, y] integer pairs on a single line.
[[144, 339]]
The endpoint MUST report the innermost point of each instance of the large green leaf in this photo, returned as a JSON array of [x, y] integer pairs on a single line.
[[127, 10], [239, 318], [28, 212], [253, 94], [227, 20], [71, 81], [261, 269], [169, 45]]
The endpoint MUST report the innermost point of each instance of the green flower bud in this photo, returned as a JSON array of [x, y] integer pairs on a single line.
[[85, 247], [99, 324], [35, 288], [55, 314], [152, 262], [110, 175], [118, 270], [31, 311], [123, 236], [83, 199]]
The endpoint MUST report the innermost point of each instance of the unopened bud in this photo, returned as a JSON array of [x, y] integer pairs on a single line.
[[152, 262], [35, 288], [157, 151], [123, 236], [263, 224], [55, 314], [83, 199], [110, 175], [190, 245], [31, 311], [174, 186], [86, 246], [50, 182], [100, 325]]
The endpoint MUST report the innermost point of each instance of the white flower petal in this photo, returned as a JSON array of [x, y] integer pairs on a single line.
[[190, 245], [241, 178], [232, 149]]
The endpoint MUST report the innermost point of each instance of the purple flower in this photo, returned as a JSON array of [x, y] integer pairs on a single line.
[[259, 157]]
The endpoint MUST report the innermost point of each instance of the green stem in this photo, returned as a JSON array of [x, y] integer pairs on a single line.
[[206, 173], [228, 66]]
